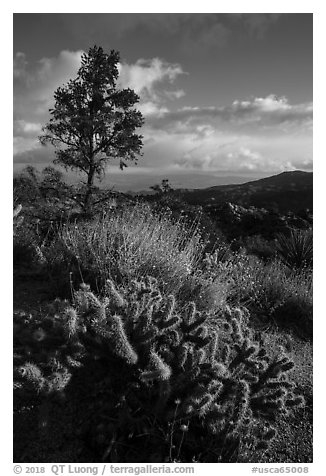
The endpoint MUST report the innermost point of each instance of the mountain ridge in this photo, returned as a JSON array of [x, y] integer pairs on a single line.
[[286, 192]]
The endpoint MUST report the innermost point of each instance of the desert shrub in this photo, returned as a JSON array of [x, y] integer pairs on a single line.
[[190, 214], [127, 244], [47, 198], [26, 186], [221, 254], [296, 248], [48, 201], [273, 293], [32, 186], [23, 251], [259, 246], [161, 386], [30, 237]]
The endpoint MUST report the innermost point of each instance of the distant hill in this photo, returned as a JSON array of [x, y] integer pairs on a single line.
[[134, 180], [285, 192]]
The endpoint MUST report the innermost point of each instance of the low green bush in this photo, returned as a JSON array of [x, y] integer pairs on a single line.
[[24, 240]]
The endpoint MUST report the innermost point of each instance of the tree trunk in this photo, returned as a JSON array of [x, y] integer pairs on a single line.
[[89, 190]]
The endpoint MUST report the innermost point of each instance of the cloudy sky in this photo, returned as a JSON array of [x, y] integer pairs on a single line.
[[222, 94]]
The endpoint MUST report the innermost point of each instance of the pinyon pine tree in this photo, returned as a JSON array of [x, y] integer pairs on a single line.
[[93, 121]]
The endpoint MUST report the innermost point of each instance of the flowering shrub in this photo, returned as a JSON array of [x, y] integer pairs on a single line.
[[127, 244]]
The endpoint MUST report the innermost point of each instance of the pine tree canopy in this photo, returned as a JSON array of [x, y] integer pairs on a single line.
[[92, 120]]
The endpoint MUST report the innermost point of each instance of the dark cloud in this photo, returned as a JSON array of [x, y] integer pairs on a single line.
[[202, 30], [192, 30], [256, 24]]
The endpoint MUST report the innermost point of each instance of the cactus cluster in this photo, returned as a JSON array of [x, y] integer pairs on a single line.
[[165, 363], [44, 359], [18, 219]]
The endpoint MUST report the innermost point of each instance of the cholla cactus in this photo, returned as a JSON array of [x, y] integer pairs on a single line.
[[42, 358], [224, 383], [17, 218]]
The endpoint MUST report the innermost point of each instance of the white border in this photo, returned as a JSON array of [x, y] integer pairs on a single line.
[[232, 6]]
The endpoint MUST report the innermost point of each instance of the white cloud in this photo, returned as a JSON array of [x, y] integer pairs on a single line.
[[34, 86], [144, 75], [151, 108], [272, 109], [47, 71], [179, 93], [271, 113], [267, 104], [23, 128], [54, 72], [148, 78], [222, 153], [260, 133], [22, 144], [227, 151]]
